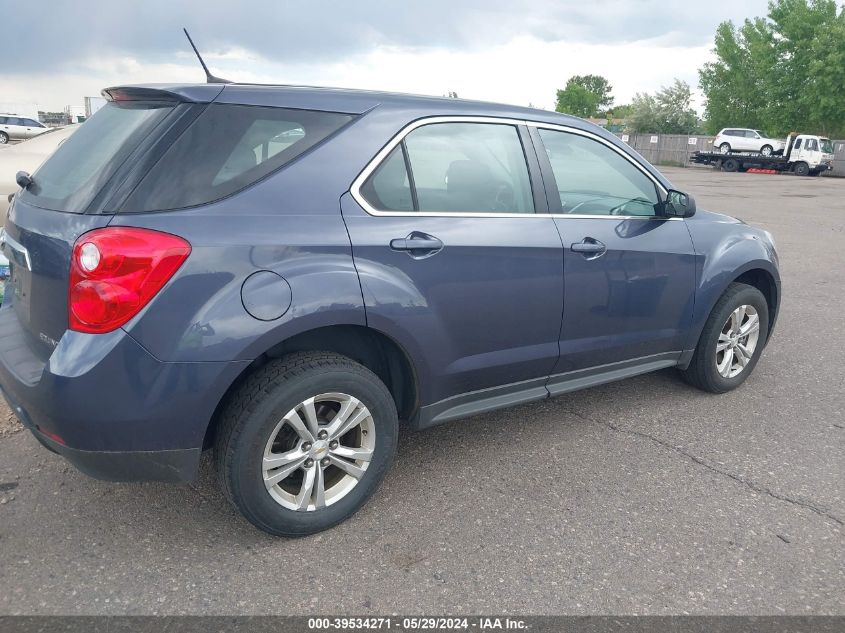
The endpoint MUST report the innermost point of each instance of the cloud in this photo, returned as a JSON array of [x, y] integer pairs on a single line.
[[324, 31], [516, 51]]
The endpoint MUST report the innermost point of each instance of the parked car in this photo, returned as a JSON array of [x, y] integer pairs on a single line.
[[27, 156], [747, 140], [18, 127], [189, 273]]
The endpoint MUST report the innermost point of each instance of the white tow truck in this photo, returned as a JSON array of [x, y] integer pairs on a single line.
[[805, 155]]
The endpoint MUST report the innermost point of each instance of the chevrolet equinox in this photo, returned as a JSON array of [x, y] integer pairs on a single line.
[[284, 274]]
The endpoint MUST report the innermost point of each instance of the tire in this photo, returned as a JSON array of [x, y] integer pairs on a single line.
[[725, 148], [253, 425], [4, 138], [704, 369], [802, 169], [730, 164], [767, 150]]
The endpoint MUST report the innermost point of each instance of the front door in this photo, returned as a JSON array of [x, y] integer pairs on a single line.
[[629, 274], [456, 263]]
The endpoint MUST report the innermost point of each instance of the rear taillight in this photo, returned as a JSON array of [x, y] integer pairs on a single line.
[[114, 272]]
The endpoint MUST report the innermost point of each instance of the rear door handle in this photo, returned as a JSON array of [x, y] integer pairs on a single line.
[[417, 244], [589, 247]]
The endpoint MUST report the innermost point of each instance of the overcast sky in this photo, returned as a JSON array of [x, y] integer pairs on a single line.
[[513, 51]]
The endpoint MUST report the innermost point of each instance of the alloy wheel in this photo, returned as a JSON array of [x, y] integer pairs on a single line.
[[737, 341], [318, 452]]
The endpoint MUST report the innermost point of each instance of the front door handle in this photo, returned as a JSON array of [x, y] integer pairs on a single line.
[[589, 247], [417, 244]]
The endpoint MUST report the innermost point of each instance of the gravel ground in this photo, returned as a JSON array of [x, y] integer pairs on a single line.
[[8, 422], [644, 496]]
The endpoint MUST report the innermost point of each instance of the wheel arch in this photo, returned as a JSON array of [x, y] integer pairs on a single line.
[[365, 345], [759, 273]]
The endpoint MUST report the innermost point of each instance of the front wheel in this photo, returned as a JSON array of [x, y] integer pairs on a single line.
[[802, 169], [766, 150], [305, 442], [731, 341]]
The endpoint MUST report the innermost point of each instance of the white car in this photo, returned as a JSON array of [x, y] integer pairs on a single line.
[[27, 156], [737, 139], [18, 127]]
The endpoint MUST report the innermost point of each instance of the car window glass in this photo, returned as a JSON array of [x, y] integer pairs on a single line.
[[798, 144], [78, 170], [4, 120], [593, 179], [388, 188], [228, 148], [811, 144], [469, 168]]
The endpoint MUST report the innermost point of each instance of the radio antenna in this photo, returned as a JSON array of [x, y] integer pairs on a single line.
[[209, 78]]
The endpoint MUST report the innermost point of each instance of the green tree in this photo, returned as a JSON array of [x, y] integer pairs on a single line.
[[669, 111], [674, 107], [584, 96], [782, 73], [618, 112]]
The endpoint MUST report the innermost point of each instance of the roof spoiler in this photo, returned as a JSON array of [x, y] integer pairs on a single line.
[[138, 93]]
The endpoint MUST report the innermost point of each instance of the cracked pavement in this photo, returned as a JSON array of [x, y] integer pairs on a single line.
[[644, 496]]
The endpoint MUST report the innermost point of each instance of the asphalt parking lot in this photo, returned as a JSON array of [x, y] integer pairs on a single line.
[[644, 496]]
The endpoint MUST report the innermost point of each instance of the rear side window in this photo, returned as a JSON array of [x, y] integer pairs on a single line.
[[226, 149], [454, 168], [71, 178]]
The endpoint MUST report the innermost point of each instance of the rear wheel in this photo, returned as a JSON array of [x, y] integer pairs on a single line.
[[305, 442], [730, 164], [766, 150], [4, 138], [725, 148], [802, 169], [731, 341]]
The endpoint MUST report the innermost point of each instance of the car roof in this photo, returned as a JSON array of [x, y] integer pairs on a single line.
[[348, 100]]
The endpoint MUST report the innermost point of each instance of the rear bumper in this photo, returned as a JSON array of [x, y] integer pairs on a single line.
[[108, 406], [174, 466]]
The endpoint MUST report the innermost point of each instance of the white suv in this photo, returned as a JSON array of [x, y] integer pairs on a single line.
[[746, 140], [18, 127]]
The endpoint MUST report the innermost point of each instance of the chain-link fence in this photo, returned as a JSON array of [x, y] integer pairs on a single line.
[[676, 149]]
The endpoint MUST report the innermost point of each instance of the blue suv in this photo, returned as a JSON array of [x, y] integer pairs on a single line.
[[285, 274]]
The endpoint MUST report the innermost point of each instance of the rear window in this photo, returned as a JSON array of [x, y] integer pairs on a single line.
[[71, 178], [226, 149]]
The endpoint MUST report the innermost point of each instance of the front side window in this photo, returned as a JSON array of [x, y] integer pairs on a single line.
[[593, 179], [454, 168], [827, 146], [228, 148]]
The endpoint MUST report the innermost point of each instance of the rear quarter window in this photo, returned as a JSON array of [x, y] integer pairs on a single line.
[[226, 149]]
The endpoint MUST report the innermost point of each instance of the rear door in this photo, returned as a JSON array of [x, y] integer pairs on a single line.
[[629, 274], [455, 259]]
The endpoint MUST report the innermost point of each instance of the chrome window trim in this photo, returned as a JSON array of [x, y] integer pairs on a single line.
[[355, 188]]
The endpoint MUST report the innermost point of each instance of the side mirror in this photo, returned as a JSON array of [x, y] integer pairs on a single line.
[[678, 204]]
